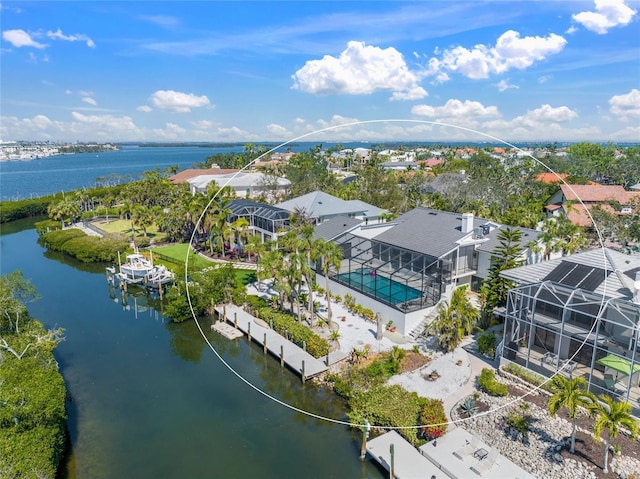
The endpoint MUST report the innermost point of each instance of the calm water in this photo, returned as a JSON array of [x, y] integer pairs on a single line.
[[149, 400]]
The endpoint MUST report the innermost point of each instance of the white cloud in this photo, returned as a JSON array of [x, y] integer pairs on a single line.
[[20, 38], [109, 122], [90, 101], [144, 108], [177, 101], [164, 21], [414, 94], [608, 14], [626, 105], [278, 131], [510, 52], [544, 79], [337, 120], [170, 132], [78, 37], [359, 70], [548, 113], [456, 109], [203, 124], [504, 85]]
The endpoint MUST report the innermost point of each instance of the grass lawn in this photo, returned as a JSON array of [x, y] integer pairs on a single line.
[[117, 225], [176, 253]]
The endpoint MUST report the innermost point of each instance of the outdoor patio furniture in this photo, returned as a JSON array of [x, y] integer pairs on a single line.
[[609, 381], [470, 448], [484, 465]]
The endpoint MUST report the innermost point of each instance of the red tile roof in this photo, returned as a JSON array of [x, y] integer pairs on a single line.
[[597, 194], [185, 175]]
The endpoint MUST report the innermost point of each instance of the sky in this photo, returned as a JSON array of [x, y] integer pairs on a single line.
[[236, 71]]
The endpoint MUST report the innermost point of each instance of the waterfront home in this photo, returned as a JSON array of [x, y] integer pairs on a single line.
[[403, 268], [578, 315], [320, 207]]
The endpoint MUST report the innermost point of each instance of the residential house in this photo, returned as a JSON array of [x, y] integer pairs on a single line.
[[578, 315], [320, 207], [403, 268], [574, 201], [244, 185]]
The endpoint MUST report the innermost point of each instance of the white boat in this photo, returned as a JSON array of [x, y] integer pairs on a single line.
[[136, 266]]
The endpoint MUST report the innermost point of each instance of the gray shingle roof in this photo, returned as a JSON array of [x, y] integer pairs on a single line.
[[336, 226], [527, 235], [427, 231], [318, 204]]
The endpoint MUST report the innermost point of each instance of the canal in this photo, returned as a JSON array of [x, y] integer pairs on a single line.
[[148, 399]]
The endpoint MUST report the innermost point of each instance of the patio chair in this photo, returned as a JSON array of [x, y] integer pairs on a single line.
[[487, 463], [609, 382], [468, 449]]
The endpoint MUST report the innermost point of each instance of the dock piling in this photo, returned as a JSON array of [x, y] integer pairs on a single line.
[[281, 356], [264, 344]]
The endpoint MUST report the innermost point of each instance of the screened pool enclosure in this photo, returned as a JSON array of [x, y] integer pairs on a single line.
[[552, 328], [403, 279]]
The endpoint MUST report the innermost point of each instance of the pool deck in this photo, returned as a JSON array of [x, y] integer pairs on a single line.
[[297, 359]]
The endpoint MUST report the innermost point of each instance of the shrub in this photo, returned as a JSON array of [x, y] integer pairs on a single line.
[[529, 376], [468, 407], [432, 412], [487, 382], [46, 226], [296, 332], [86, 248], [487, 343]]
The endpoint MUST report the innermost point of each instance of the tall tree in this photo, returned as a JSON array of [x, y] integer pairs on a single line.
[[572, 395], [330, 259], [456, 318], [612, 415], [504, 256]]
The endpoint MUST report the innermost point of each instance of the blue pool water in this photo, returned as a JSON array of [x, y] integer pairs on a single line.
[[379, 286]]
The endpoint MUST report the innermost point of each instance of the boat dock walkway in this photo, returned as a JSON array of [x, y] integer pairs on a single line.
[[296, 358], [407, 460]]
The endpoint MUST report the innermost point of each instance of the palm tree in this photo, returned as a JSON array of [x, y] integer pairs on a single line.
[[570, 394], [612, 415], [331, 258], [456, 319]]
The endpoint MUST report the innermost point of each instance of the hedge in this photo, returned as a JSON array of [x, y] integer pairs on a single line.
[[16, 210], [488, 383], [295, 332], [86, 248]]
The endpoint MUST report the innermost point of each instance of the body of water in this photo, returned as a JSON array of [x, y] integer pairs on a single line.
[[148, 399]]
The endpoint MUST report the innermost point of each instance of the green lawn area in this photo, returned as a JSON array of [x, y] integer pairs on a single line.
[[117, 225], [177, 253]]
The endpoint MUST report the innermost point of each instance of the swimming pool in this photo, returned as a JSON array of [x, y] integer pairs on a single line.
[[380, 287]]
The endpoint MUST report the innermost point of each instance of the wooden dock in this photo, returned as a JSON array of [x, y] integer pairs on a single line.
[[289, 354]]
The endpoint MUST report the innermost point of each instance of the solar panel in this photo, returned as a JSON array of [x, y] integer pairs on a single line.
[[577, 275]]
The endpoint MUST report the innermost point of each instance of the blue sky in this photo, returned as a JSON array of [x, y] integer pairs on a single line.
[[273, 71]]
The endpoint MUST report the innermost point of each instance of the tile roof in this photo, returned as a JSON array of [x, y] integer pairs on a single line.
[[599, 193], [185, 175]]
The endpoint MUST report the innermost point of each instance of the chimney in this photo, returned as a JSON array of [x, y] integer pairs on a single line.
[[467, 222]]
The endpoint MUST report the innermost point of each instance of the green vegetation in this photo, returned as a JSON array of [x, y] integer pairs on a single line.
[[389, 406], [15, 210], [612, 416], [529, 376], [571, 394], [487, 343], [296, 332], [86, 248], [207, 289], [488, 383], [32, 396], [456, 319], [177, 254]]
